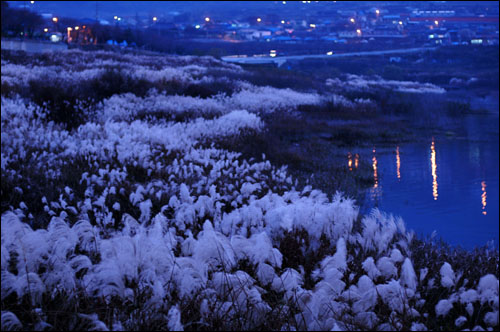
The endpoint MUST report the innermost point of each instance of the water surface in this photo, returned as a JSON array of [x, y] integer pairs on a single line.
[[446, 185]]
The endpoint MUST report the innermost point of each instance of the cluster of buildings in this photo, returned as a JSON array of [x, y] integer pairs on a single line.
[[377, 25], [301, 22]]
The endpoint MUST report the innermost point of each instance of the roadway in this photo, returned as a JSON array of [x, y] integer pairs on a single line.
[[279, 60]]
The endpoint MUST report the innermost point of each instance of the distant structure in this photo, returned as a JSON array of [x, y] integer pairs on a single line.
[[81, 36]]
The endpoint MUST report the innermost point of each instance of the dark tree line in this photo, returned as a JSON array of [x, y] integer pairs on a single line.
[[20, 22]]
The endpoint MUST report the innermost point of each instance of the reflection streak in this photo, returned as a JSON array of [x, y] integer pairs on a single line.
[[374, 164], [483, 196], [434, 173], [356, 160], [398, 163], [349, 162]]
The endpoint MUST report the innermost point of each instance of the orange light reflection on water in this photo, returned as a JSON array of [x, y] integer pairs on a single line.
[[375, 175], [356, 160], [349, 162], [483, 196], [433, 170], [398, 163]]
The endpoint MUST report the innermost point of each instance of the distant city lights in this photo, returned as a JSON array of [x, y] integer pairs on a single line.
[[329, 53], [272, 53], [259, 19], [55, 19], [377, 11], [77, 27], [358, 31], [197, 26], [115, 17], [352, 20], [284, 2], [282, 21], [155, 18], [312, 25], [436, 22], [207, 19], [46, 30], [400, 22]]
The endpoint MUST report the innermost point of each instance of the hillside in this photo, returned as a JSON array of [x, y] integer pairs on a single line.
[[134, 197]]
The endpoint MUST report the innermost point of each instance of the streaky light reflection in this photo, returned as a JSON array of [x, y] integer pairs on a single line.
[[398, 163], [483, 196], [356, 160], [349, 162], [375, 175], [433, 170]]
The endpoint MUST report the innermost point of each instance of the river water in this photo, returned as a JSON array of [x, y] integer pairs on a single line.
[[445, 185]]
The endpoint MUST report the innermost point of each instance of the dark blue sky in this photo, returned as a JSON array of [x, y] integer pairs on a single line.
[[106, 9], [222, 9]]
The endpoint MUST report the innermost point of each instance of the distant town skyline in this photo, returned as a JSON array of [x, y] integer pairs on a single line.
[[218, 9]]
